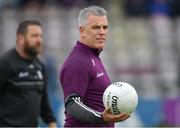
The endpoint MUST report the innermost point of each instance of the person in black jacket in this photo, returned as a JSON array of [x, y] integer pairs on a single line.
[[23, 78]]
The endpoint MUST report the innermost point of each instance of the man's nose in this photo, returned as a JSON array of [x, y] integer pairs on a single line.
[[39, 39]]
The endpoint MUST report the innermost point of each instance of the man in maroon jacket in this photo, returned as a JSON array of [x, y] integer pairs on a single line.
[[83, 76]]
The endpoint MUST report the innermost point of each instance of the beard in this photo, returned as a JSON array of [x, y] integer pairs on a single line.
[[32, 51]]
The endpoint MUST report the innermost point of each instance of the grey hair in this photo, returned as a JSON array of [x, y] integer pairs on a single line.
[[91, 10]]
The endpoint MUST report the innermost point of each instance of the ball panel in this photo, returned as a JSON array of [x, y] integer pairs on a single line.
[[110, 99]]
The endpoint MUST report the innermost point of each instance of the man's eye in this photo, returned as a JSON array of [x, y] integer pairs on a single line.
[[105, 27], [96, 27]]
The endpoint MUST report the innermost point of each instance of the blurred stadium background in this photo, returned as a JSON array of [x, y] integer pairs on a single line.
[[143, 49]]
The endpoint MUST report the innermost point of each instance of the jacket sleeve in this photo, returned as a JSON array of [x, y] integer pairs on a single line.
[[4, 71], [46, 111], [75, 107]]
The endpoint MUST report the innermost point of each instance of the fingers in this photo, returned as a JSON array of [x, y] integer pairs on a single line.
[[109, 117], [120, 117]]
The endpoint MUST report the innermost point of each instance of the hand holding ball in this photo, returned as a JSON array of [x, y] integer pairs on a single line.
[[120, 97]]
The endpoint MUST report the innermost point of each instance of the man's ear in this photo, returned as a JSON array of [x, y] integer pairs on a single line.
[[82, 31], [20, 38]]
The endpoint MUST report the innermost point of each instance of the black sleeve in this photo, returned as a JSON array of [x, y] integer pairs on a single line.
[[4, 71], [46, 112], [81, 112]]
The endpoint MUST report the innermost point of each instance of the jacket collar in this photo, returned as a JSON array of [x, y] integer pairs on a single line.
[[95, 51]]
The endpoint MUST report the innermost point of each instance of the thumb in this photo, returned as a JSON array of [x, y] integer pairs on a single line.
[[108, 110]]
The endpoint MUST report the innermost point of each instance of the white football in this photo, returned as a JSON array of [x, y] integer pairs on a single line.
[[120, 97]]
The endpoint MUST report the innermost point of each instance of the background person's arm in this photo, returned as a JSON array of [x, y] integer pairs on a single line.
[[4, 72], [46, 111]]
